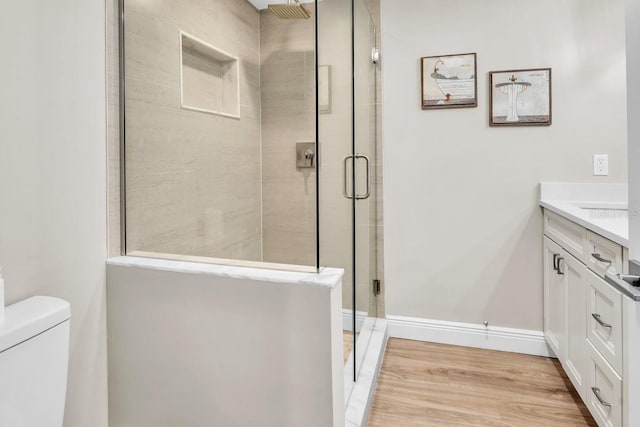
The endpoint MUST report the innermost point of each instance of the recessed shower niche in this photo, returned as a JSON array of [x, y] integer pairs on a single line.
[[209, 78]]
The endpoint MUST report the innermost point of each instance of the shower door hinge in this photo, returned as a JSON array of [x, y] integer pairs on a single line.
[[376, 287]]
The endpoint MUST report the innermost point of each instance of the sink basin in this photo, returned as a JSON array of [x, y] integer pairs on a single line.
[[604, 210], [601, 205], [607, 213]]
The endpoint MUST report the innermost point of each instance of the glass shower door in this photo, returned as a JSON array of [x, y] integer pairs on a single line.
[[366, 159], [365, 163], [335, 146], [347, 137]]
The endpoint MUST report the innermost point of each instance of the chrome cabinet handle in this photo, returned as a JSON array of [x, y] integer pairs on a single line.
[[599, 258], [560, 260], [555, 261], [596, 391], [600, 322]]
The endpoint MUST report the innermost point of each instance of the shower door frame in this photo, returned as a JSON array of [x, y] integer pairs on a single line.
[[358, 147], [122, 127]]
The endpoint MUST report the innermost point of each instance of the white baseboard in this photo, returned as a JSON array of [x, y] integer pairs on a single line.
[[347, 316], [469, 335]]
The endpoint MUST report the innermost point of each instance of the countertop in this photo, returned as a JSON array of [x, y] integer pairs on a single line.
[[601, 208]]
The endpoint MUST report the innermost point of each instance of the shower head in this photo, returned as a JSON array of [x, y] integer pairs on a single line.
[[291, 10]]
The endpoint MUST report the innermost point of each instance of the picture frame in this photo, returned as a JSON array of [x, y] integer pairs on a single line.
[[448, 81], [324, 89], [520, 97]]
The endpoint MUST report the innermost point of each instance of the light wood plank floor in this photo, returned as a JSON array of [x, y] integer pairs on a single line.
[[426, 384], [347, 344]]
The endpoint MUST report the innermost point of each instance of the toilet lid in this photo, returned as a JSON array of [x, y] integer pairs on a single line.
[[30, 317]]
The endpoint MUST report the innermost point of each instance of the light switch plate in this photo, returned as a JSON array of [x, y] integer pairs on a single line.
[[600, 164]]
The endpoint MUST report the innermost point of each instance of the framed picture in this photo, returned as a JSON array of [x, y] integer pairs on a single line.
[[324, 89], [449, 81], [520, 97]]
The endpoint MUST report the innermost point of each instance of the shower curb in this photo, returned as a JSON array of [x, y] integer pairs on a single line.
[[358, 403]]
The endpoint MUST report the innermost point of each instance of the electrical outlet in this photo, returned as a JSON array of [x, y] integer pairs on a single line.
[[600, 164]]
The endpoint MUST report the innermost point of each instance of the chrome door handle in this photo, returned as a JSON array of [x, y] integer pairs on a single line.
[[345, 190], [596, 391], [599, 258], [368, 192], [555, 261], [600, 322]]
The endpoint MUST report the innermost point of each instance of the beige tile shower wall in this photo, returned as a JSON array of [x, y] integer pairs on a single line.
[[113, 130], [288, 116], [193, 179]]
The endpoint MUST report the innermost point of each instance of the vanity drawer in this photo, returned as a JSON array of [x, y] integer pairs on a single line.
[[602, 254], [604, 319], [567, 234], [604, 391]]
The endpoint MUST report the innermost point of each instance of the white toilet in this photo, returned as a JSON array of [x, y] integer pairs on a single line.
[[34, 356]]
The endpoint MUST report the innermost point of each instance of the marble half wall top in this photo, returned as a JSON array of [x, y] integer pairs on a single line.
[[327, 277]]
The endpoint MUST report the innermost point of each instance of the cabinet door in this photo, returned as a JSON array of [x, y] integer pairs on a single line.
[[554, 300], [575, 277], [604, 390], [604, 320]]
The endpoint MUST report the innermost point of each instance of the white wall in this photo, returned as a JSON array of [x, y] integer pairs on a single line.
[[52, 177], [205, 345], [633, 106], [463, 229]]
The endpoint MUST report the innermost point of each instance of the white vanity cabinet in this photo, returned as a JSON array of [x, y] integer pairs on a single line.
[[583, 316]]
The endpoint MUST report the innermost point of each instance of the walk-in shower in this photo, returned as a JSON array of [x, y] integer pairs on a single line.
[[252, 137]]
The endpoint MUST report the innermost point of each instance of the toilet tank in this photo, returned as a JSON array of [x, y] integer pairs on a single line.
[[34, 357]]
